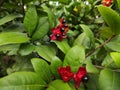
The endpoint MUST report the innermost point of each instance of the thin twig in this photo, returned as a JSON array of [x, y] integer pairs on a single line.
[[117, 70], [101, 67], [101, 45], [22, 7]]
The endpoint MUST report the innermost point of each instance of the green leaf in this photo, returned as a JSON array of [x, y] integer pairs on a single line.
[[71, 8], [55, 63], [16, 27], [109, 80], [22, 81], [62, 1], [89, 33], [74, 57], [51, 16], [111, 17], [30, 20], [63, 45], [114, 44], [83, 40], [9, 18], [108, 62], [42, 28], [21, 64], [46, 52], [99, 20], [10, 49], [90, 1], [12, 38], [26, 49], [42, 68], [27, 1], [118, 1], [91, 68], [72, 86], [58, 85], [92, 83], [106, 32], [116, 58]]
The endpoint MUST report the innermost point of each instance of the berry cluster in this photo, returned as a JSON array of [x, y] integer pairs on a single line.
[[107, 2], [59, 32], [80, 76]]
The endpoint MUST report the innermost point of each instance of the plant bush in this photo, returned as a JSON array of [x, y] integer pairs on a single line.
[[59, 44]]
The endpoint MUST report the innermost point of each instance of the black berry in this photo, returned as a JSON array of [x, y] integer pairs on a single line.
[[85, 79], [63, 21], [57, 35], [65, 25], [62, 29]]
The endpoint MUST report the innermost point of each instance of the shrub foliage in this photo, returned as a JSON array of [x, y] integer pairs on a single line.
[[39, 36]]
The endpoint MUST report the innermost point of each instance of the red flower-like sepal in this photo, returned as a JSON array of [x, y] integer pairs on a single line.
[[78, 76], [107, 2], [65, 73], [59, 32]]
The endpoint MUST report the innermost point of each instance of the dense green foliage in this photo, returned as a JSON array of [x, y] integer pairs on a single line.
[[29, 59]]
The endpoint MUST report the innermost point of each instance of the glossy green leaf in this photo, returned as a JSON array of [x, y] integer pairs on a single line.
[[72, 86], [63, 45], [46, 52], [91, 68], [118, 1], [111, 17], [30, 20], [42, 68], [83, 40], [88, 32], [74, 57], [109, 62], [22, 81], [109, 80], [106, 32], [58, 85], [9, 18], [92, 83], [114, 44], [17, 27], [55, 63], [26, 49], [12, 38], [42, 28], [51, 16], [116, 58]]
